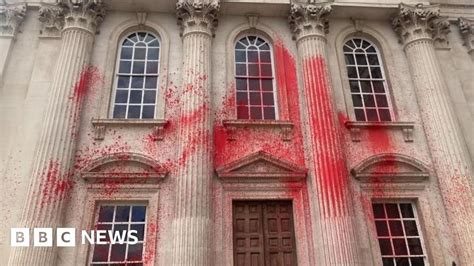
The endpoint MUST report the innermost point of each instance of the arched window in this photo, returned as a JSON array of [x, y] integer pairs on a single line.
[[368, 85], [254, 79], [137, 77]]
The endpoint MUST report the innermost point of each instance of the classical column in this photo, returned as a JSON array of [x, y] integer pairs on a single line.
[[11, 17], [52, 166], [328, 167], [466, 27], [192, 224], [415, 26]]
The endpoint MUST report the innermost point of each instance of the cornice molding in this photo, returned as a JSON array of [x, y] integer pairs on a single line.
[[309, 19], [11, 17], [466, 27], [417, 22], [80, 14], [197, 16]]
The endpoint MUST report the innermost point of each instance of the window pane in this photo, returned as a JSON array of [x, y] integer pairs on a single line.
[[138, 67], [242, 98], [119, 111], [139, 53], [364, 72], [148, 111], [135, 96], [382, 228], [265, 57], [268, 98], [101, 253], [267, 85], [385, 115], [354, 86], [121, 96], [269, 113], [253, 70], [410, 228], [150, 82], [134, 111], [402, 262], [357, 100], [349, 59], [414, 245], [135, 252], [137, 82], [239, 56], [392, 210], [266, 70], [255, 113], [154, 43], [149, 97], [371, 115], [106, 213], [126, 53], [359, 114], [417, 262], [400, 246], [153, 53], [388, 262], [124, 67], [240, 70], [242, 112], [406, 210], [385, 247], [369, 100], [365, 86], [373, 60], [255, 98], [252, 56], [118, 252], [378, 86], [123, 82], [396, 228], [351, 72], [140, 228], [378, 210], [241, 84], [376, 73], [122, 213], [254, 84], [381, 101], [138, 213], [360, 58], [152, 68]]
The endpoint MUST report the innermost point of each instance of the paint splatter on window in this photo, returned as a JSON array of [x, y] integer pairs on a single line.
[[399, 234], [136, 79], [254, 79], [367, 82]]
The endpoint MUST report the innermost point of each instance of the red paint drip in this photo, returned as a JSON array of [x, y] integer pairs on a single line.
[[55, 185]]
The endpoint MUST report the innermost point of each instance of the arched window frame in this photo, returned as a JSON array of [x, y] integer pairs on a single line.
[[101, 119], [273, 77], [129, 88], [358, 79]]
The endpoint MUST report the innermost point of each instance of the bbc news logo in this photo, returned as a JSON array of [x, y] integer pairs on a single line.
[[66, 237]]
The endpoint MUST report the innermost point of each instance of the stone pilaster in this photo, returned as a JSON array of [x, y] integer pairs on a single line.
[[192, 224], [328, 171], [53, 164], [415, 25], [466, 27], [11, 17]]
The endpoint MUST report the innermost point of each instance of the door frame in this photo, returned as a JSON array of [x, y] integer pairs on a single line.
[[292, 191]]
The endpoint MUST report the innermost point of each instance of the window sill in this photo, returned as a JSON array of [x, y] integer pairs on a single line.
[[284, 126], [100, 126], [356, 126]]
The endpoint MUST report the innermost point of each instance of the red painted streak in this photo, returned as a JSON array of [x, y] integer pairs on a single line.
[[89, 77], [55, 184], [329, 162]]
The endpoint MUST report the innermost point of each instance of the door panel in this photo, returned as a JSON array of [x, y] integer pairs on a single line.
[[264, 233]]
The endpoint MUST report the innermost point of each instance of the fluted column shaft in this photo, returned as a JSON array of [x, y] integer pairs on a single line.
[[446, 144], [192, 223], [328, 168], [53, 161]]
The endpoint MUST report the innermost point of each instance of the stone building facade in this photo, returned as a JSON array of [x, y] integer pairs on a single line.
[[239, 132]]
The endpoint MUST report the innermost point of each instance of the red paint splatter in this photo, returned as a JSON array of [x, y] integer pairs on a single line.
[[89, 77], [55, 184]]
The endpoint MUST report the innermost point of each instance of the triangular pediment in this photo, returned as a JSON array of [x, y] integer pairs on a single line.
[[392, 168], [261, 166], [124, 167]]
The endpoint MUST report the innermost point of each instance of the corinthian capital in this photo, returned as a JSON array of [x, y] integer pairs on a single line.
[[466, 27], [11, 17], [309, 19], [197, 16], [82, 14], [420, 22]]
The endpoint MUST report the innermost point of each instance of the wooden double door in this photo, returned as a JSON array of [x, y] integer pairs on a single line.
[[263, 233]]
